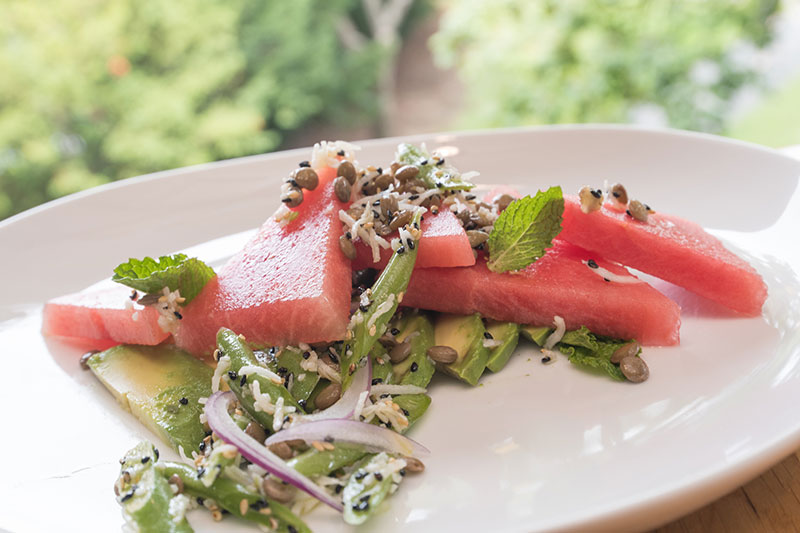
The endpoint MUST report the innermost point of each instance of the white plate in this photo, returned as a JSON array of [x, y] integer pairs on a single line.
[[534, 447]]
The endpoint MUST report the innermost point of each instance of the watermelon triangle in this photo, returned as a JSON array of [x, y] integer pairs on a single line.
[[559, 284], [671, 248], [289, 284]]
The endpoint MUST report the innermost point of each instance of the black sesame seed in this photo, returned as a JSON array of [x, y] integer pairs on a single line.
[[232, 374], [439, 184], [440, 162], [286, 200], [376, 202], [413, 197], [360, 476], [487, 335], [375, 214], [364, 307], [469, 197], [402, 472], [378, 476], [302, 403], [304, 164], [177, 315], [202, 446], [340, 153], [243, 381], [377, 380], [401, 250], [364, 498], [384, 396], [348, 235], [126, 497], [414, 366], [145, 459], [328, 439], [647, 207], [282, 370], [134, 295], [596, 193], [184, 401], [394, 331], [293, 183], [405, 412], [286, 419], [423, 162], [260, 504], [306, 355], [291, 529], [592, 263], [546, 359], [338, 489], [628, 212], [615, 194], [606, 279], [389, 425], [200, 472], [155, 452], [200, 500]]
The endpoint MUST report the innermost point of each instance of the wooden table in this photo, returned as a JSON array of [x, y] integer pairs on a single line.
[[771, 502]]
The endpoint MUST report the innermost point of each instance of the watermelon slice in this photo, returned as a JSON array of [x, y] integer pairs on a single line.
[[669, 248], [102, 315], [444, 243], [289, 284], [558, 284]]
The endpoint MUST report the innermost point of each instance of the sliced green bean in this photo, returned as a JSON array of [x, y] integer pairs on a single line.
[[369, 326], [381, 366], [366, 488], [229, 495], [300, 387], [313, 463], [145, 495], [417, 369], [231, 345]]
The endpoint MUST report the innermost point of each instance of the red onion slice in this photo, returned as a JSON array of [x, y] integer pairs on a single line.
[[216, 411], [352, 432], [346, 405]]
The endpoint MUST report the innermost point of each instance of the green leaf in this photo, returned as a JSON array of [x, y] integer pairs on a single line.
[[524, 231], [592, 352], [581, 337], [178, 272], [434, 176]]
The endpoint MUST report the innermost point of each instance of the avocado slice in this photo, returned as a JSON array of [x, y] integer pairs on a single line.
[[159, 385], [536, 334], [463, 333], [508, 334]]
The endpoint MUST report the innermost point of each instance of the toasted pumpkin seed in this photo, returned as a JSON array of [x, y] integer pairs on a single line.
[[347, 171], [477, 237], [591, 199], [406, 172], [328, 396], [342, 189], [306, 178], [442, 354], [401, 219], [282, 450], [277, 491], [634, 369], [400, 352], [347, 247], [503, 201], [626, 350], [256, 431]]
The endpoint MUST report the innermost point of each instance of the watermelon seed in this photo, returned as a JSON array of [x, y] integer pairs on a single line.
[[629, 349]]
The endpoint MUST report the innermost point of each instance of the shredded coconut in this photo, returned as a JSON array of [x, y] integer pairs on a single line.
[[261, 371], [167, 306], [557, 335], [387, 412], [261, 400], [382, 388], [178, 505], [284, 215], [223, 365], [384, 307], [610, 276], [362, 399], [326, 153], [492, 343]]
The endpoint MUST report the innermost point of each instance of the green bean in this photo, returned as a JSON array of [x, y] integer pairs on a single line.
[[229, 495], [419, 330], [231, 345], [366, 490], [390, 286], [313, 463], [381, 366], [145, 495]]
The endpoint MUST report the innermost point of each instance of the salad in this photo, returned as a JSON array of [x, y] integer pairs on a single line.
[[282, 417]]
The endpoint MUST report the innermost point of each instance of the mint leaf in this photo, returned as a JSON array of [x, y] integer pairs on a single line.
[[524, 231], [591, 351], [178, 272], [432, 175], [581, 337]]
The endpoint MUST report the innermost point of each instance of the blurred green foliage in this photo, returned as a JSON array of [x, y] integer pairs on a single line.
[[93, 91], [570, 61]]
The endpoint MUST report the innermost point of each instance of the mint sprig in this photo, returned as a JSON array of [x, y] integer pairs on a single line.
[[178, 272], [433, 175], [523, 232]]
